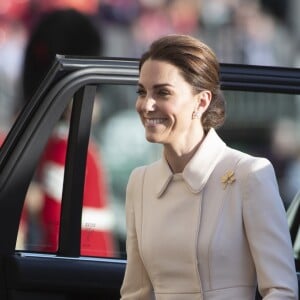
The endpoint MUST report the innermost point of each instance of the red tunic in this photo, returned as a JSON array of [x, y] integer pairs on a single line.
[[96, 236]]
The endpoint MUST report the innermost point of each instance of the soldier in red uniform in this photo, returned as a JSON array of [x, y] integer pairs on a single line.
[[71, 33]]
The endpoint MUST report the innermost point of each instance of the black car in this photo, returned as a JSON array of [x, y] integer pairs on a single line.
[[257, 97]]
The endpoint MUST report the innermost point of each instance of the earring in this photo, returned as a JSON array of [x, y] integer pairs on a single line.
[[196, 115]]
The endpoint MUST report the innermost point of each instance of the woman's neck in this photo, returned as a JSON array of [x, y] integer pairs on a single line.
[[178, 159]]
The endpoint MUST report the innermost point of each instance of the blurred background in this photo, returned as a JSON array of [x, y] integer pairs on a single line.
[[259, 32], [256, 32]]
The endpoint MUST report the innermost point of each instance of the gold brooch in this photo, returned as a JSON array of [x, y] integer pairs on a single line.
[[228, 178]]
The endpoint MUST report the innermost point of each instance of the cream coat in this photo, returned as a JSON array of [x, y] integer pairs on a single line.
[[222, 241]]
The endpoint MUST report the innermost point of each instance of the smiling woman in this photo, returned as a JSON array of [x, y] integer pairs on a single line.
[[208, 237]]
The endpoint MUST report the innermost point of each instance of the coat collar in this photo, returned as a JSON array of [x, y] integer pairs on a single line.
[[199, 168]]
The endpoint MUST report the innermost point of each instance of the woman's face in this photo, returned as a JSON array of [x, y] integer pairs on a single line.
[[166, 103]]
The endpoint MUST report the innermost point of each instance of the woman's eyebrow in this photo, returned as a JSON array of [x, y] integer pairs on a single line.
[[159, 85]]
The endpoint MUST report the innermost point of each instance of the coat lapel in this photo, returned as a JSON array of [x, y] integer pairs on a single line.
[[197, 171]]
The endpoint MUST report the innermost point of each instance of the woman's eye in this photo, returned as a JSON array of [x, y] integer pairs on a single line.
[[163, 93], [141, 92]]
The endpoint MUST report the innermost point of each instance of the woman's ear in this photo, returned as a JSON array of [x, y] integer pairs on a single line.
[[203, 100]]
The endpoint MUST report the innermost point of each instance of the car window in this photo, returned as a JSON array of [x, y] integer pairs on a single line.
[[267, 124], [263, 124]]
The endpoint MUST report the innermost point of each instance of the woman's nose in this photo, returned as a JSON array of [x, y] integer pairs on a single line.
[[149, 104]]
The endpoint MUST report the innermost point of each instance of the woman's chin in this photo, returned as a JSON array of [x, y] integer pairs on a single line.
[[152, 138]]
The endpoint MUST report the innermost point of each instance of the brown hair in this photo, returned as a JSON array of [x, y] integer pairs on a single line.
[[199, 67]]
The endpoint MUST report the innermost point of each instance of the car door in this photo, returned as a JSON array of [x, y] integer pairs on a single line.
[[66, 273]]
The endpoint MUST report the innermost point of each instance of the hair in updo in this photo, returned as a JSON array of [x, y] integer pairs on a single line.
[[199, 67]]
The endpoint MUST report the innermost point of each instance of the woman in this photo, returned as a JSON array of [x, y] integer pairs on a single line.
[[205, 221]]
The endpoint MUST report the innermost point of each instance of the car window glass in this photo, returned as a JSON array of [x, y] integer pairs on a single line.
[[40, 220], [293, 214], [266, 124]]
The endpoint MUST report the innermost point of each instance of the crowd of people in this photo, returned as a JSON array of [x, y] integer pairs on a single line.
[[239, 31]]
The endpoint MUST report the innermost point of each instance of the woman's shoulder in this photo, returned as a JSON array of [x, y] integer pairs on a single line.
[[249, 164], [138, 171], [245, 158]]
